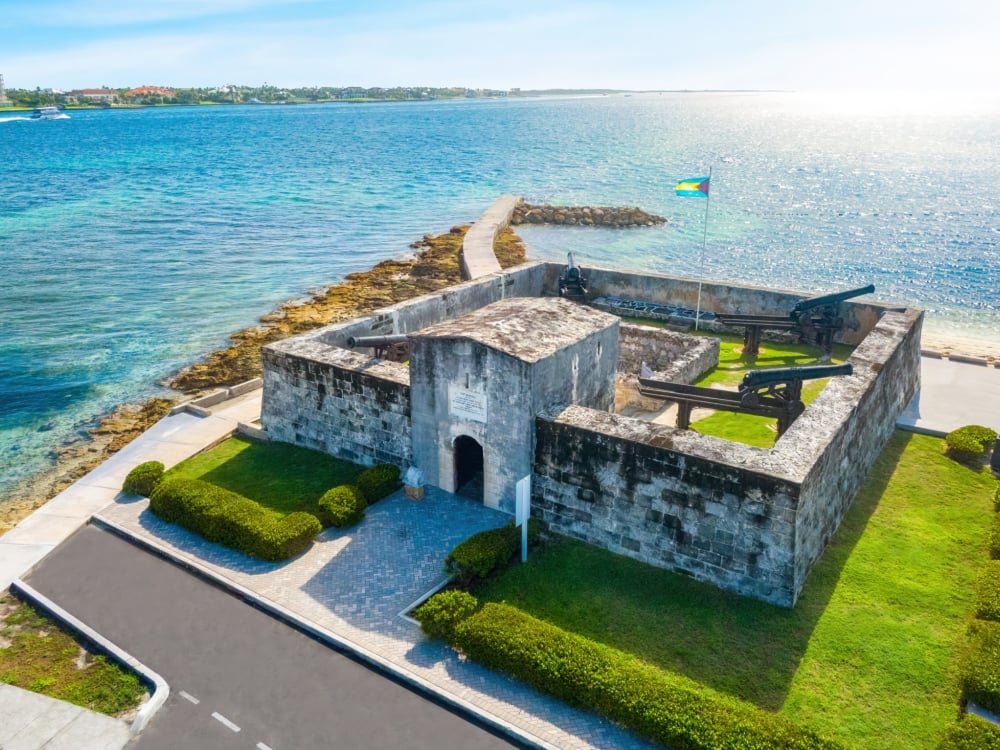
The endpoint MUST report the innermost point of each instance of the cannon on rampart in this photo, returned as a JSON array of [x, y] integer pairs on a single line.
[[817, 319], [773, 393]]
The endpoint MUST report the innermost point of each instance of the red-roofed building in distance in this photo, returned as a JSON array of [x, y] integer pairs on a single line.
[[147, 91]]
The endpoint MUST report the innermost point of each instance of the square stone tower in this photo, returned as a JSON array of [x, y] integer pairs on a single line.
[[477, 382]]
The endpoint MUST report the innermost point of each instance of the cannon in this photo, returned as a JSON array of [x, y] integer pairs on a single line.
[[773, 393], [573, 284], [817, 319], [398, 342], [375, 342]]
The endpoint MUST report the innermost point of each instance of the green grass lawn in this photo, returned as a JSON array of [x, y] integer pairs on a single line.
[[36, 655], [747, 428], [279, 476], [869, 655]]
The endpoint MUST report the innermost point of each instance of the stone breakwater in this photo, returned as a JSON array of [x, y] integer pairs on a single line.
[[587, 216]]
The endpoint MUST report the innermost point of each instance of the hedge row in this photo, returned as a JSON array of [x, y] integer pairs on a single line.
[[988, 592], [981, 676], [232, 520], [667, 708], [995, 537], [441, 614], [142, 480], [971, 733], [482, 553]]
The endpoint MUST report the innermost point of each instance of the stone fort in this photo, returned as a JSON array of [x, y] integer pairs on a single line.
[[505, 379]]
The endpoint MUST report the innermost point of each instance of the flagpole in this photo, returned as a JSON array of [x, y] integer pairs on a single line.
[[704, 243]]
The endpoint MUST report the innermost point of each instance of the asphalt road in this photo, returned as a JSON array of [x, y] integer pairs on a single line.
[[238, 678]]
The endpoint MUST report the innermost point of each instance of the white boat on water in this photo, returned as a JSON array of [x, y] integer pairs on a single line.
[[49, 113]]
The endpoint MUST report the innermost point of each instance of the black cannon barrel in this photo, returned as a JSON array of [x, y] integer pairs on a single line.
[[757, 378], [830, 299], [371, 341]]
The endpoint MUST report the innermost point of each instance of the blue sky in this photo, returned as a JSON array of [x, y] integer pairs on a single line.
[[669, 44]]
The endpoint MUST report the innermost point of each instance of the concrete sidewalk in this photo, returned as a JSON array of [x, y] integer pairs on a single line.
[[169, 441], [29, 721], [951, 395]]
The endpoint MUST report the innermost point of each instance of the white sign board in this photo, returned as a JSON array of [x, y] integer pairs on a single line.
[[467, 404], [522, 511]]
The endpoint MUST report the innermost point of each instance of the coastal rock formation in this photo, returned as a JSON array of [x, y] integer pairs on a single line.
[[434, 267], [587, 216]]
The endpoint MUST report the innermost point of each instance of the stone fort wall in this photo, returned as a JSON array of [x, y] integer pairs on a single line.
[[747, 519]]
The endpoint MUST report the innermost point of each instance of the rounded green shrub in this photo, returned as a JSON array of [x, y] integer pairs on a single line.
[[142, 480], [971, 733], [995, 538], [981, 670], [482, 553], [996, 498], [442, 612], [225, 517], [988, 592], [377, 482], [968, 444], [342, 506]]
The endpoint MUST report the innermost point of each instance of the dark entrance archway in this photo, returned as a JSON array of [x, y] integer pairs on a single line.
[[468, 468]]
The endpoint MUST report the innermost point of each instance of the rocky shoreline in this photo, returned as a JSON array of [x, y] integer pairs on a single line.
[[433, 266], [586, 216]]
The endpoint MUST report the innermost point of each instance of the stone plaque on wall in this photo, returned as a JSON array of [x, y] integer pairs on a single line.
[[467, 404]]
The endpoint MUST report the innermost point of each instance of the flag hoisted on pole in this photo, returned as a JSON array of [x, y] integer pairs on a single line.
[[697, 187]]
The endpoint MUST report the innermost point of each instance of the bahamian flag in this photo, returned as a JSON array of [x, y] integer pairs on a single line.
[[696, 187]]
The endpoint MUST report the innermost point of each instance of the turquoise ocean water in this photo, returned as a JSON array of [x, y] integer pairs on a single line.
[[133, 242]]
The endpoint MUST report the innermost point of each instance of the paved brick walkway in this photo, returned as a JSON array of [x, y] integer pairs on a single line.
[[355, 582]]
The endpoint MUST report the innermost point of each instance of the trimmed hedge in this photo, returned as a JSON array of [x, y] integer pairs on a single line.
[[142, 480], [996, 498], [342, 506], [667, 708], [988, 592], [482, 553], [968, 444], [971, 733], [377, 482], [442, 612], [995, 537], [232, 520], [981, 672]]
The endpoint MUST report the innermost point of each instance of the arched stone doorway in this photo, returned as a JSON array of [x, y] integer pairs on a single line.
[[468, 468]]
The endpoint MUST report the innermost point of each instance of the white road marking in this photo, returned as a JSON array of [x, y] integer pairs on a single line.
[[224, 721], [189, 697], [262, 746]]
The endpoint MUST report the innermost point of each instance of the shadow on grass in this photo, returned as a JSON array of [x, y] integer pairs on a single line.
[[279, 476], [730, 643]]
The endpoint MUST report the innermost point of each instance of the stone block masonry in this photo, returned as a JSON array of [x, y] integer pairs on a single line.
[[674, 357], [640, 489], [338, 402], [846, 427]]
